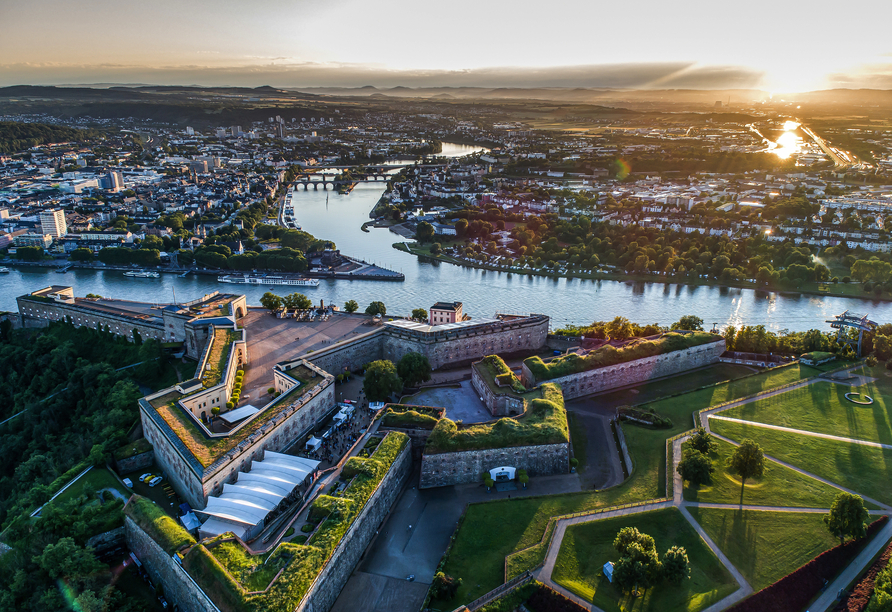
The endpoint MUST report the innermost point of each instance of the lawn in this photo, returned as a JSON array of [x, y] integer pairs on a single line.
[[778, 486], [860, 468], [94, 480], [249, 570], [493, 530], [736, 389], [765, 546], [585, 549], [822, 407], [578, 438]]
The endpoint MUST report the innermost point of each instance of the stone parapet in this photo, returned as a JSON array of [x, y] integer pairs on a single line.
[[443, 469]]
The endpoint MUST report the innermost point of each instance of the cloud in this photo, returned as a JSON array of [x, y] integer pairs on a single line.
[[281, 74]]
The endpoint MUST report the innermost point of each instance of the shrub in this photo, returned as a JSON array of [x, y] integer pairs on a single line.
[[408, 419], [857, 600], [574, 462], [289, 532], [307, 527], [271, 390], [299, 539], [444, 586], [239, 372], [229, 405], [795, 590]]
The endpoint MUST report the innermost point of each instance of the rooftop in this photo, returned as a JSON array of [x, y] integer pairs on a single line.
[[425, 328]]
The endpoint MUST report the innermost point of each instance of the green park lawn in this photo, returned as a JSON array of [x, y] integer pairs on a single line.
[[778, 486], [586, 547], [860, 468], [700, 399], [493, 530], [823, 408], [94, 480], [765, 546]]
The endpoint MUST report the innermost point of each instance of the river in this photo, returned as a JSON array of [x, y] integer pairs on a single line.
[[483, 293]]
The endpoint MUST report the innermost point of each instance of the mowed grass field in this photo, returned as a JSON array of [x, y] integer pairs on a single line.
[[778, 486], [863, 469], [765, 546], [585, 548], [822, 407], [491, 531]]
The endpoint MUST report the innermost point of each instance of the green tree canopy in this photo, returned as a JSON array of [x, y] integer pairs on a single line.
[[747, 461], [703, 442], [351, 306], [297, 300], [419, 314], [688, 322], [376, 308], [676, 566], [271, 301], [848, 517], [414, 368], [695, 467], [381, 381]]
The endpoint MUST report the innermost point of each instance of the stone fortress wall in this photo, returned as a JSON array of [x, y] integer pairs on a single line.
[[325, 589], [350, 354], [635, 372], [40, 312], [445, 348], [444, 469], [179, 588], [498, 404]]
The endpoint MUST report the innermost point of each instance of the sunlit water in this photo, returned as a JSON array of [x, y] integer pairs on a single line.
[[483, 293]]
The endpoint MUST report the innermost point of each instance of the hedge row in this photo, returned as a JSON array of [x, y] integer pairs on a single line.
[[609, 355], [546, 599], [857, 600], [795, 590], [166, 532]]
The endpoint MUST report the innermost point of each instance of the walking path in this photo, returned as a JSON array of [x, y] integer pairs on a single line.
[[827, 599], [802, 432]]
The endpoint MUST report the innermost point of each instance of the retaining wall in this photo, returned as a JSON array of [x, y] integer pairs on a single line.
[[351, 354], [331, 580], [634, 372], [179, 588], [135, 463], [443, 469]]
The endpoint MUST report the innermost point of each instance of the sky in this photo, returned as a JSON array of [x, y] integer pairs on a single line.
[[774, 45]]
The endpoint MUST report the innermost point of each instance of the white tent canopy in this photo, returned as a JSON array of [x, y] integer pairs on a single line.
[[255, 494], [313, 443]]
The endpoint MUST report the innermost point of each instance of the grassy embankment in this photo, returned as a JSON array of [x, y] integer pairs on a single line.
[[493, 530]]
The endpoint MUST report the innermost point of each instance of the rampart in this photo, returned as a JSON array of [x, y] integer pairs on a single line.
[[331, 580], [350, 354], [164, 570], [637, 371], [501, 403], [448, 347], [443, 469]]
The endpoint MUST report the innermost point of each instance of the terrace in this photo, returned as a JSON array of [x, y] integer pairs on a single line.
[[207, 449]]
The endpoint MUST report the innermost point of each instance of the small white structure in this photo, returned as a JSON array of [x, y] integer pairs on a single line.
[[608, 570], [502, 474], [376, 406], [313, 443]]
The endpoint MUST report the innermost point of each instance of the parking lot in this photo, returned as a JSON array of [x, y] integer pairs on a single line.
[[162, 493]]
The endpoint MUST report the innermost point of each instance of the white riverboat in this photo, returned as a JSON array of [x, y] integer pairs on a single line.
[[142, 274], [248, 279]]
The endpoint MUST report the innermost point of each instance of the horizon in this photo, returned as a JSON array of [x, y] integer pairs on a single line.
[[765, 46]]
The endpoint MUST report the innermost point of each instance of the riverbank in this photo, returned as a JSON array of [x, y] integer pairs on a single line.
[[364, 271], [840, 290]]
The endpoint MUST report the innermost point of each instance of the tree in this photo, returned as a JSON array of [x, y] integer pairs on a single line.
[[151, 242], [639, 567], [702, 441], [689, 322], [627, 536], [676, 566], [351, 306], [619, 329], [419, 314], [747, 461], [297, 300], [424, 232], [695, 467], [414, 368], [271, 301], [848, 517], [436, 248], [381, 381], [81, 255], [376, 308], [444, 586], [65, 559]]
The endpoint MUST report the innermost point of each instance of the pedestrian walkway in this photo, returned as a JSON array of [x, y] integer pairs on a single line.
[[802, 432], [827, 599]]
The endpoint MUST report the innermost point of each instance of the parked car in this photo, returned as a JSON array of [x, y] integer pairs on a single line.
[[146, 477], [155, 480]]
